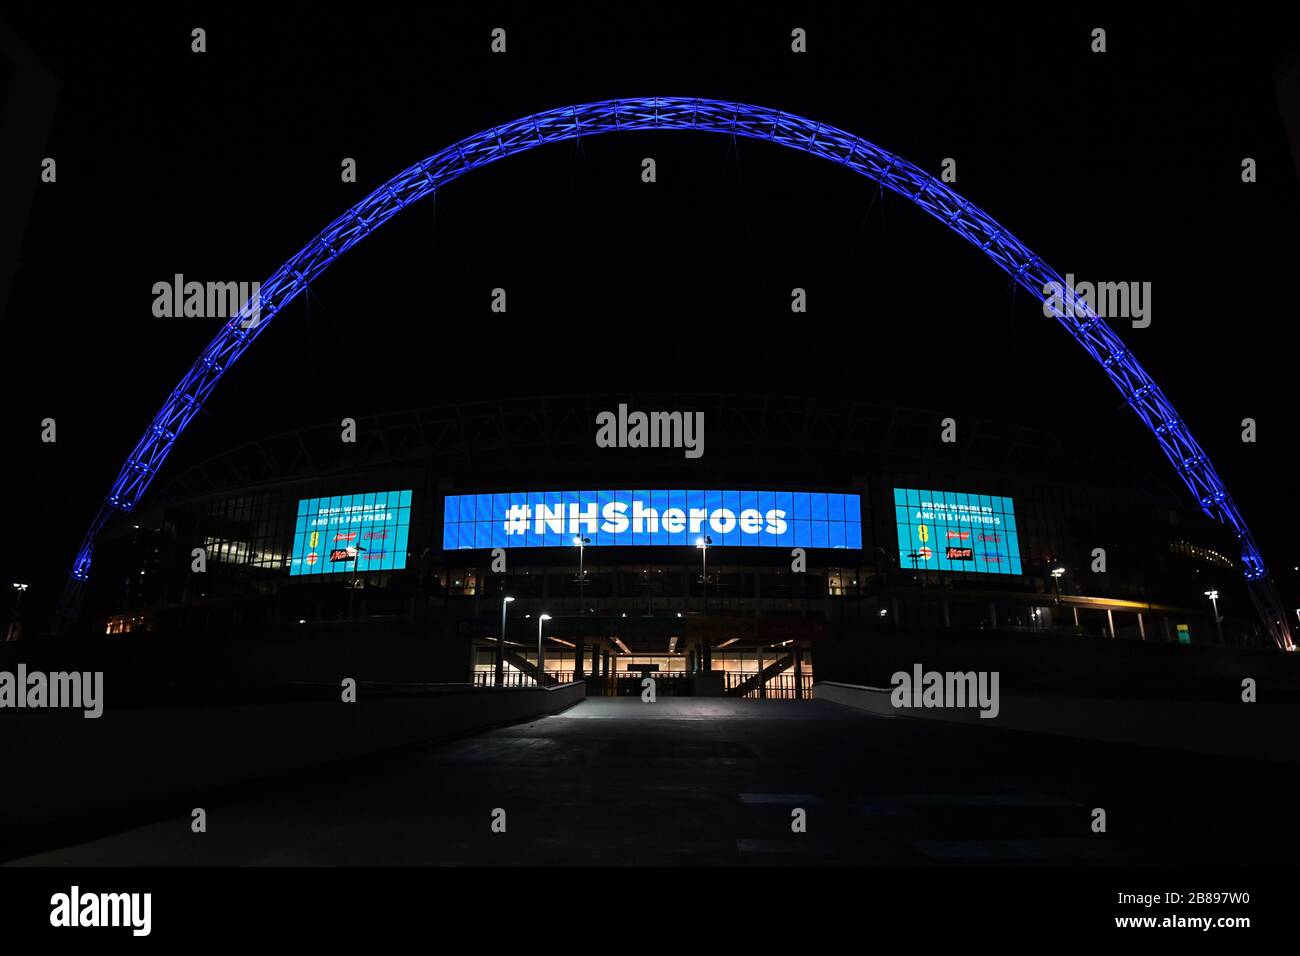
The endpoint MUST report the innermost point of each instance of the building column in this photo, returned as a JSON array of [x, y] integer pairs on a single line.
[[947, 620], [706, 655], [579, 652], [993, 615], [798, 671], [762, 684]]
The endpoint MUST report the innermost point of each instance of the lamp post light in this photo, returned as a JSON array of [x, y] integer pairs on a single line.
[[1213, 595], [703, 544], [12, 632], [581, 543], [540, 660], [1056, 582], [356, 570], [501, 647]]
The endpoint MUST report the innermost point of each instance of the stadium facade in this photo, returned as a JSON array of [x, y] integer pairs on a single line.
[[802, 517]]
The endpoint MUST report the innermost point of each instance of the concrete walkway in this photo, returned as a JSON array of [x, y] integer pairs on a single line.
[[715, 781]]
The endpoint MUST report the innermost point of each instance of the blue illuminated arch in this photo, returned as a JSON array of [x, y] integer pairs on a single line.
[[737, 119]]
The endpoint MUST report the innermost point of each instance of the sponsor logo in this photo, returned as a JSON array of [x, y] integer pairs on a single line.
[[959, 535], [311, 558], [994, 538], [314, 539], [343, 554], [375, 535], [345, 536], [961, 554]]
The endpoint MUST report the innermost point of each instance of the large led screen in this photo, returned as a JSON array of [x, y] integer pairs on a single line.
[[952, 531], [551, 519], [351, 533]]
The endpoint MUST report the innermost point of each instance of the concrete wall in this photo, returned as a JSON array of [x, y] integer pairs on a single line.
[[1047, 664], [180, 668], [1262, 731], [58, 765]]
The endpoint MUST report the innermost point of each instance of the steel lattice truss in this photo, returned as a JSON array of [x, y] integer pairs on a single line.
[[736, 119]]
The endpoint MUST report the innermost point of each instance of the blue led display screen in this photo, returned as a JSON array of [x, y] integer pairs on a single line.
[[952, 531], [351, 533], [549, 519]]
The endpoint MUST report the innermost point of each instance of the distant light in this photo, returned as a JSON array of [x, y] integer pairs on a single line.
[[507, 598], [302, 620], [883, 612], [545, 617]]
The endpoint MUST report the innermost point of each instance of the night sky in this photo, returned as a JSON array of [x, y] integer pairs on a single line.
[[1123, 166]]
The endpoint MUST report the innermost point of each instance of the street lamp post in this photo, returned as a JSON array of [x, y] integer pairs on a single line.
[[356, 570], [581, 543], [540, 659], [21, 588], [1213, 595], [1056, 582], [703, 544], [501, 647]]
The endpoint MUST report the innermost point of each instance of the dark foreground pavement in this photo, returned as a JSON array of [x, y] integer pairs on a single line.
[[700, 781]]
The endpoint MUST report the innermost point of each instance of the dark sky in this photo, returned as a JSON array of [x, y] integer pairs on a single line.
[[1118, 166]]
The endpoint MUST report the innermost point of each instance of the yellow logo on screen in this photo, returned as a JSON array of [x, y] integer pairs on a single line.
[[923, 532]]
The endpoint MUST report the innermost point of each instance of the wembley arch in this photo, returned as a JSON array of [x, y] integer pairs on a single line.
[[892, 172]]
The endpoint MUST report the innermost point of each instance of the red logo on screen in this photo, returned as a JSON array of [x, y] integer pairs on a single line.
[[343, 554], [311, 558], [996, 539], [960, 535], [925, 554], [349, 536], [377, 535]]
